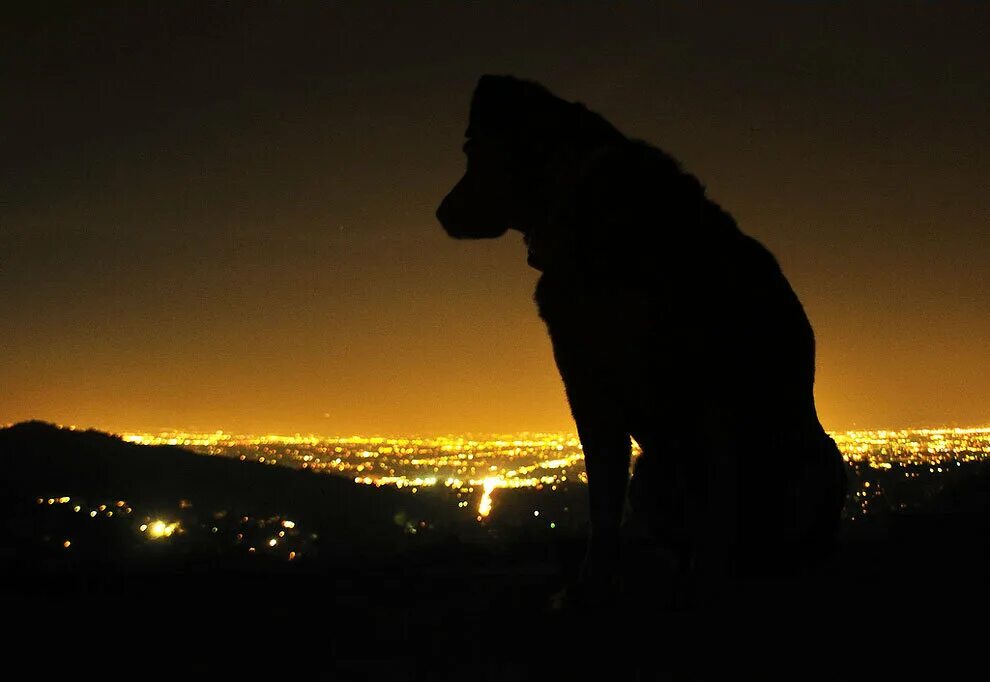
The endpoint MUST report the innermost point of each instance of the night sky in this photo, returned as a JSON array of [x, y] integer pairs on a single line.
[[223, 218]]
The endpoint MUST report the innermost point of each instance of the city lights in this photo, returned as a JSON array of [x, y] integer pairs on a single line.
[[891, 470], [161, 529]]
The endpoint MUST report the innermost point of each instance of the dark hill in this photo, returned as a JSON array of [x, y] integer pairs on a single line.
[[444, 609], [43, 460]]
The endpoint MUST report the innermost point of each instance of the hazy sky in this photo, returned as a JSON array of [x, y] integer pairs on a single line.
[[216, 217]]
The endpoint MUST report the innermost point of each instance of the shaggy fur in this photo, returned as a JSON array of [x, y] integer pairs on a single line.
[[668, 324]]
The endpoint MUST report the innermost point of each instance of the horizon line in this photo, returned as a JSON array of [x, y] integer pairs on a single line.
[[136, 435]]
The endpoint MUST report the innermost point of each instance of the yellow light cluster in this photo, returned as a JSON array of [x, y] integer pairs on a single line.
[[528, 460], [882, 449], [157, 530]]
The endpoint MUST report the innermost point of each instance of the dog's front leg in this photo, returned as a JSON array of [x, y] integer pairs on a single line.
[[716, 509], [606, 461], [607, 449]]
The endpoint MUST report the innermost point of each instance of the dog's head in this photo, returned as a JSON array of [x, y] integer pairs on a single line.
[[519, 138]]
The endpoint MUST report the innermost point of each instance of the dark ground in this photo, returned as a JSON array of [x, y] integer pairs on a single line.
[[903, 596]]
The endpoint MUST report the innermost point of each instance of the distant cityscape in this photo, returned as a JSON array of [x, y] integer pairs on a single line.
[[549, 461], [531, 482]]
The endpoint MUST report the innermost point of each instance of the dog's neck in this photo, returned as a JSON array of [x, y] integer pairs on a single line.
[[534, 257], [544, 246], [546, 235]]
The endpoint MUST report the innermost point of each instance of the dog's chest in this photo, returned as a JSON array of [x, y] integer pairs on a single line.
[[597, 318], [563, 299]]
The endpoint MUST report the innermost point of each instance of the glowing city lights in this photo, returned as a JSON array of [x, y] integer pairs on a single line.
[[889, 467], [485, 506], [160, 529]]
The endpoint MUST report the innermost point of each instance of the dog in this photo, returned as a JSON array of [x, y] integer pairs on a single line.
[[669, 326]]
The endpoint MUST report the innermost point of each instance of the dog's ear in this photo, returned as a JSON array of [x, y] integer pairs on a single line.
[[508, 105], [532, 118]]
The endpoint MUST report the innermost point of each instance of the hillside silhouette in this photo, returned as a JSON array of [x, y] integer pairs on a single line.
[[42, 459], [368, 599]]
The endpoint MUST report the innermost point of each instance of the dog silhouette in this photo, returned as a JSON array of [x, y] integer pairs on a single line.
[[668, 325]]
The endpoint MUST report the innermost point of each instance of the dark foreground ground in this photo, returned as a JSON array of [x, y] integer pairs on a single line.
[[904, 595]]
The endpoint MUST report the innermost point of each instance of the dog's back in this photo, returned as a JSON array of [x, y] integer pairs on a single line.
[[684, 319]]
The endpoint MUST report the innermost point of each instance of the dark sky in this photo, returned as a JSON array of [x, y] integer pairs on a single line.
[[222, 217]]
